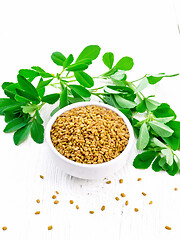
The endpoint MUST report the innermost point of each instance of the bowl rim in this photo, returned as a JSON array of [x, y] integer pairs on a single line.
[[82, 104]]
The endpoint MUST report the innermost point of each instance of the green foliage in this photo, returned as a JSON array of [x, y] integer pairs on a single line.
[[108, 59]]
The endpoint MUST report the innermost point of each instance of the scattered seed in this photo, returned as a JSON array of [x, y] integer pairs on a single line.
[[71, 201], [91, 212], [123, 194], [117, 199], [38, 212], [54, 196], [126, 203], [41, 176], [143, 193], [103, 208], [77, 207], [168, 228], [108, 182], [121, 180], [38, 201], [4, 228], [136, 209], [151, 202], [57, 192], [56, 202], [139, 179], [50, 227], [175, 189]]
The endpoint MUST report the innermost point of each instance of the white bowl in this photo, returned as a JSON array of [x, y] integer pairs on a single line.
[[90, 171]]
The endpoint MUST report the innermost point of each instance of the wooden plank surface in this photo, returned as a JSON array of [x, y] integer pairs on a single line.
[[145, 30]]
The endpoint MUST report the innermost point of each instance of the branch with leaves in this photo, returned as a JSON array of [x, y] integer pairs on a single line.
[[158, 131]]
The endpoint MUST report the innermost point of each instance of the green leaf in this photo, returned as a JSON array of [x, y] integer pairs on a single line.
[[175, 126], [63, 98], [21, 99], [29, 108], [55, 110], [80, 90], [158, 143], [126, 112], [141, 107], [27, 95], [125, 63], [142, 85], [86, 61], [144, 160], [153, 79], [173, 142], [14, 125], [108, 59], [173, 169], [169, 156], [75, 100], [6, 103], [27, 86], [42, 73], [77, 67], [136, 130], [38, 117], [122, 102], [22, 134], [90, 52], [155, 165], [151, 104], [37, 132], [58, 58], [164, 110], [84, 79], [6, 84], [42, 83], [68, 61], [161, 129], [118, 79], [28, 73], [51, 98], [110, 72], [164, 120], [143, 138], [41, 90]]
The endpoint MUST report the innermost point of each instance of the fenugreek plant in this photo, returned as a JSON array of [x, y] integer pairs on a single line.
[[158, 132]]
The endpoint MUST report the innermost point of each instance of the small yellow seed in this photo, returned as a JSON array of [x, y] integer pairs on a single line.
[[175, 189], [121, 180], [91, 212], [139, 179], [126, 203], [38, 212], [54, 196], [136, 209], [50, 227], [77, 207], [56, 202], [168, 228], [143, 193], [57, 192], [41, 176], [151, 202], [38, 201], [4, 228], [117, 199], [108, 182], [123, 194], [103, 208], [71, 201]]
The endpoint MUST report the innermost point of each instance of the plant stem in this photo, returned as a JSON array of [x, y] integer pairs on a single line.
[[138, 79]]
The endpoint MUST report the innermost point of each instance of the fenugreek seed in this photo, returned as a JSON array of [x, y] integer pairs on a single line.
[[4, 228], [108, 182], [38, 201], [56, 202], [139, 179], [143, 193], [41, 176], [71, 201], [123, 194], [117, 199], [175, 189], [38, 212], [91, 212], [103, 208], [57, 192], [126, 203], [168, 228], [136, 209], [151, 202], [50, 227], [121, 180], [77, 207]]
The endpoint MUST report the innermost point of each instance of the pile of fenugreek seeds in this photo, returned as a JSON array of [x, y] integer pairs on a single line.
[[90, 134]]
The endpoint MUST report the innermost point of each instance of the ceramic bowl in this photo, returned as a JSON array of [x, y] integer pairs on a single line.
[[90, 171]]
